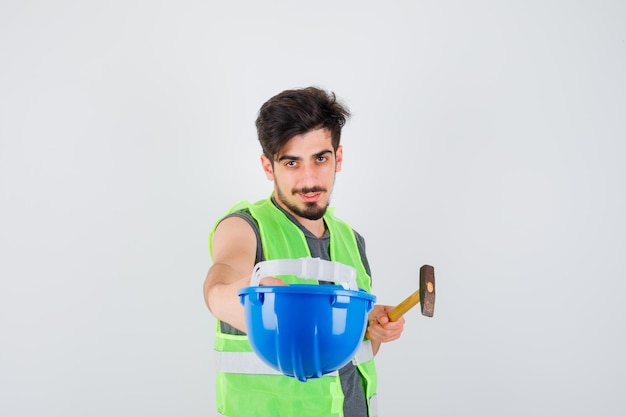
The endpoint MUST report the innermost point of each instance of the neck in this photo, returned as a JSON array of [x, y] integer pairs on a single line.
[[317, 227]]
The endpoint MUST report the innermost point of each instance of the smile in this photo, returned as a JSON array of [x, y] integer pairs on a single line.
[[310, 197]]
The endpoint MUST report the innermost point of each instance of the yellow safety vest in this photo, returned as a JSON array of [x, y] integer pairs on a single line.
[[247, 387]]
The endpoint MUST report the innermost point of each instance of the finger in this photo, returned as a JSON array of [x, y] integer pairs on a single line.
[[267, 281]]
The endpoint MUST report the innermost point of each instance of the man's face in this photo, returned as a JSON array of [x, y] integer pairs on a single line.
[[304, 174]]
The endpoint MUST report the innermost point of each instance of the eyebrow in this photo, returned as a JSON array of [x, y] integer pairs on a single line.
[[297, 158]]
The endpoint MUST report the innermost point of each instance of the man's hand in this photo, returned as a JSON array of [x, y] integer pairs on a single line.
[[380, 329], [271, 281]]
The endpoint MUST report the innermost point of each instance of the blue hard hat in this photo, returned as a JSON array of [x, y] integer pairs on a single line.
[[303, 330]]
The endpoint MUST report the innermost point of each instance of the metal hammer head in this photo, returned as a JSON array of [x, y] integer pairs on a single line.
[[427, 290]]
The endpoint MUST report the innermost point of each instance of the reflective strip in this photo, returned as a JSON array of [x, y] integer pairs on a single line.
[[246, 363], [242, 363], [250, 363], [365, 352], [373, 407]]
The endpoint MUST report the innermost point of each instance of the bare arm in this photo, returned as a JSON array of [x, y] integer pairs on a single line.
[[234, 250]]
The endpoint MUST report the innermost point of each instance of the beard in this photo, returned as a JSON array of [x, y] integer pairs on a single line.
[[310, 211]]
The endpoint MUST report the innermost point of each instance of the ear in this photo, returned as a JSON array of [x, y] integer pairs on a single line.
[[267, 167], [338, 158]]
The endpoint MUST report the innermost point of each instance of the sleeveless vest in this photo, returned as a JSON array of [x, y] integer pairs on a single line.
[[245, 386]]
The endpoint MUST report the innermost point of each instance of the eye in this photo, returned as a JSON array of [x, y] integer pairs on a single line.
[[290, 164], [322, 158]]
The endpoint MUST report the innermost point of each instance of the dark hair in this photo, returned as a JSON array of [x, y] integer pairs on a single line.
[[295, 112]]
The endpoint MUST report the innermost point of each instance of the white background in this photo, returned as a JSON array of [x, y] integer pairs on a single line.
[[488, 140]]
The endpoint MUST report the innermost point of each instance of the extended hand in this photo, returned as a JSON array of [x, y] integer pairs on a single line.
[[271, 281]]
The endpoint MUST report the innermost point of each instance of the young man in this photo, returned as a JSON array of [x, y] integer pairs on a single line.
[[300, 132]]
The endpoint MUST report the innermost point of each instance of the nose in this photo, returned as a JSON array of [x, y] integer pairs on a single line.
[[309, 174]]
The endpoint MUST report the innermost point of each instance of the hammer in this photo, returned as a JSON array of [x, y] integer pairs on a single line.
[[425, 294]]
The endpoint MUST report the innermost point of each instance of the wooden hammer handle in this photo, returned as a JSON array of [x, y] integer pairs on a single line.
[[399, 310], [408, 303]]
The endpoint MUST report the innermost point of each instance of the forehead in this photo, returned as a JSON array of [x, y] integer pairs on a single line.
[[307, 144]]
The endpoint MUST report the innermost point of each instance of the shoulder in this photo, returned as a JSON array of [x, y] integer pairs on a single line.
[[233, 242], [360, 240], [238, 223], [243, 214], [243, 226], [233, 227]]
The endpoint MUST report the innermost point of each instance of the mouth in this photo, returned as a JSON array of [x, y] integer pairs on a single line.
[[310, 196]]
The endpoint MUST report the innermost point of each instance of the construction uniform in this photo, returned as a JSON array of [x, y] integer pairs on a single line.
[[245, 386]]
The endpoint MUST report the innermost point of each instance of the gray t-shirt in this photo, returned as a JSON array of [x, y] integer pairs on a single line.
[[352, 383]]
